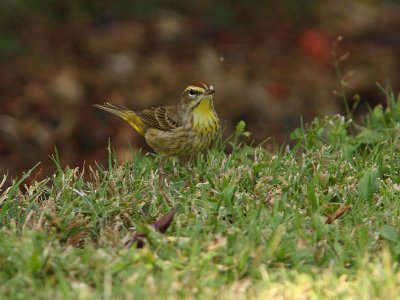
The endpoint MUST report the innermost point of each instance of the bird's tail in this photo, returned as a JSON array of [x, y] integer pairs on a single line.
[[124, 113]]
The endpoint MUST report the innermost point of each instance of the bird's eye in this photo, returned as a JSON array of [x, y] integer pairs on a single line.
[[192, 93]]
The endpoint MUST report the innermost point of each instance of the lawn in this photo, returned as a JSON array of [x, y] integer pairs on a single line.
[[319, 220]]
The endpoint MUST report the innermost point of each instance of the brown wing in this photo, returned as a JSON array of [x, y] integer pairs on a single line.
[[162, 117]]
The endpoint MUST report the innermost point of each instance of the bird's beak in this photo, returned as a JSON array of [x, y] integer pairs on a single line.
[[210, 92]]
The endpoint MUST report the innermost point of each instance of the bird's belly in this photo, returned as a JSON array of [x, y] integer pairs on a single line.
[[183, 141]]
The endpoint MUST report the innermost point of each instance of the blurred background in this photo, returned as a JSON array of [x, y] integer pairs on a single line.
[[270, 62]]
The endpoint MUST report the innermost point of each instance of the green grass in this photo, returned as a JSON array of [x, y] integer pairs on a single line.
[[251, 224]]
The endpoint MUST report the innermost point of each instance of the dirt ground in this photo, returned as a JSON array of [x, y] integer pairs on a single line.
[[270, 68]]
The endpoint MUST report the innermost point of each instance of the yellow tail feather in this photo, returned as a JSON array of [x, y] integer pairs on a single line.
[[126, 114]]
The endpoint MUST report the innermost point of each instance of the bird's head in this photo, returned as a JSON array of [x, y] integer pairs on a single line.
[[198, 96]]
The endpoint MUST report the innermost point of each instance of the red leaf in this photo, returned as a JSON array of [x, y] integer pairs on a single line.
[[160, 225]]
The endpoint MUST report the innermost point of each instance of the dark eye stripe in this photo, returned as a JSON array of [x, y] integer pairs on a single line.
[[193, 92]]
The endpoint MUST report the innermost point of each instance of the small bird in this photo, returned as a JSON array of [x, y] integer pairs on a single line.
[[181, 130]]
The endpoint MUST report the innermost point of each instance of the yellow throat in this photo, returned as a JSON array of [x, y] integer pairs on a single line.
[[203, 110], [204, 118]]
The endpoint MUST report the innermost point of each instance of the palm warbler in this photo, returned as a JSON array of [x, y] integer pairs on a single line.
[[182, 130]]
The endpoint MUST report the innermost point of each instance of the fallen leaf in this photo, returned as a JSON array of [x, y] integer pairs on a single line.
[[337, 214], [161, 225]]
